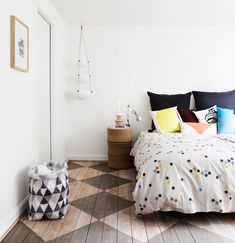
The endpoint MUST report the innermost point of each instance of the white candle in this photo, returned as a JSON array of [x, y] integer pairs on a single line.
[[119, 108]]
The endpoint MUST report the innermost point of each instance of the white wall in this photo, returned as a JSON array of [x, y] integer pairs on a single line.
[[18, 107], [127, 61]]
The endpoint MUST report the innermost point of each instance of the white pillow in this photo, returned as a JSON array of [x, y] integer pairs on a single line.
[[198, 128], [207, 116]]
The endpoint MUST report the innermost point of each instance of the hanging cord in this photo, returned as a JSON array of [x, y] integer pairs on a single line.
[[88, 62], [82, 39], [79, 61]]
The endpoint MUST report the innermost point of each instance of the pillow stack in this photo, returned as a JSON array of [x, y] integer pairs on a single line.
[[214, 114]]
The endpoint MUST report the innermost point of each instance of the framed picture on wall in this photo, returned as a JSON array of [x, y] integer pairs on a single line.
[[19, 45]]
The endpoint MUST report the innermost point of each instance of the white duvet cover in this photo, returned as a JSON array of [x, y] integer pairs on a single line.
[[185, 173]]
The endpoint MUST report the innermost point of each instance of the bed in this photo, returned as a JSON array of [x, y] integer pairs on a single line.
[[184, 172]]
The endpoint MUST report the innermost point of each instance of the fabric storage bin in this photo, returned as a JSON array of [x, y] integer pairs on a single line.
[[48, 191]]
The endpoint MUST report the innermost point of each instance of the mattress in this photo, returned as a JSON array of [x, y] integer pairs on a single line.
[[184, 173]]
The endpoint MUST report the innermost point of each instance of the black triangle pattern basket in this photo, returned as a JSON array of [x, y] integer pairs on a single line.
[[48, 194]]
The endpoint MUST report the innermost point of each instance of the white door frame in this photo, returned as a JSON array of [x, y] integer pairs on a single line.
[[50, 85]]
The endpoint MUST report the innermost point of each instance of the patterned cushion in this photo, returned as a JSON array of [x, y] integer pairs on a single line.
[[207, 116]]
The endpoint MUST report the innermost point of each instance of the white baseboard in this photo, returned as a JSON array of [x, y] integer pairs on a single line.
[[8, 222], [94, 157]]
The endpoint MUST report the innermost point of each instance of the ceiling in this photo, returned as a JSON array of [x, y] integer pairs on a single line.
[[147, 12]]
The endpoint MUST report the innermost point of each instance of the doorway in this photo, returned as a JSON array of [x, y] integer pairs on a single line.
[[44, 89]]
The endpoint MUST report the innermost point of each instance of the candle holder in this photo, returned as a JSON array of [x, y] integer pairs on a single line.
[[119, 121]]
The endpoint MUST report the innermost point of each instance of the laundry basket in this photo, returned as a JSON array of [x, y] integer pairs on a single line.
[[48, 191]]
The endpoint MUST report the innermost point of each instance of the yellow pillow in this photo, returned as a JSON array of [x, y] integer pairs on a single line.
[[166, 120]]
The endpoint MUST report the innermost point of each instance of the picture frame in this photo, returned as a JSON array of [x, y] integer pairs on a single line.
[[19, 45]]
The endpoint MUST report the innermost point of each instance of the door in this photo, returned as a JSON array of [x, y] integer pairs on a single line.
[[44, 89]]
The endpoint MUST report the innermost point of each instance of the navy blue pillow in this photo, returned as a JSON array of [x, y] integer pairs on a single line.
[[163, 101], [204, 100]]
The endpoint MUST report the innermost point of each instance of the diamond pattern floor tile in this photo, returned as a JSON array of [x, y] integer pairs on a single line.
[[23, 233], [123, 191], [100, 205], [106, 181], [102, 167], [89, 163], [124, 221], [93, 173], [210, 224], [84, 191], [94, 232], [84, 173], [71, 180], [196, 235], [129, 174], [72, 166], [84, 219]]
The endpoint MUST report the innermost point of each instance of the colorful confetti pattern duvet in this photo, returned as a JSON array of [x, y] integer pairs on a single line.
[[184, 173]]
